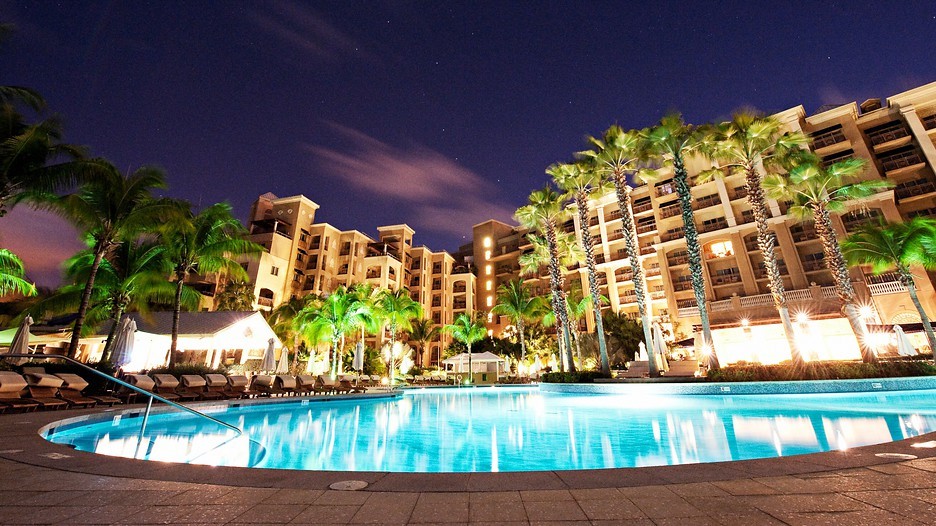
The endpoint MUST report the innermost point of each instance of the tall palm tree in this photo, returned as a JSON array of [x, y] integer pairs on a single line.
[[331, 320], [900, 247], [515, 301], [747, 143], [204, 243], [422, 332], [671, 141], [616, 155], [544, 213], [13, 274], [110, 209], [581, 182], [284, 320], [817, 193], [397, 310], [468, 330]]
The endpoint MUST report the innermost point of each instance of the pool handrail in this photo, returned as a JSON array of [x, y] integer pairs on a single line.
[[128, 385]]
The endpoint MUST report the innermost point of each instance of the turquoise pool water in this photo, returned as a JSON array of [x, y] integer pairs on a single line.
[[514, 429]]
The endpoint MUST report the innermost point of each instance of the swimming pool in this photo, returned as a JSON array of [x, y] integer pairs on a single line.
[[511, 429]]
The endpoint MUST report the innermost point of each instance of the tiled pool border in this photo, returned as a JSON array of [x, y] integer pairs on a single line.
[[748, 388]]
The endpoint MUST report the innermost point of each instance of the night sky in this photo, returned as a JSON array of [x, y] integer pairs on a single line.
[[437, 114]]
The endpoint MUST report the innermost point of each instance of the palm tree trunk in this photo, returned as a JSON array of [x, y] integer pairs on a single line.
[[907, 278], [332, 365], [623, 191], [835, 262], [176, 310], [559, 301], [105, 356], [694, 253], [582, 201], [766, 241], [295, 360], [99, 249], [469, 364], [390, 358], [522, 339]]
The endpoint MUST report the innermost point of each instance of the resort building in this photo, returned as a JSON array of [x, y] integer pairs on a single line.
[[895, 136], [303, 257]]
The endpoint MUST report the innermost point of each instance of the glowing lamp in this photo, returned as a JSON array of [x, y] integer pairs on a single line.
[[745, 322], [802, 317]]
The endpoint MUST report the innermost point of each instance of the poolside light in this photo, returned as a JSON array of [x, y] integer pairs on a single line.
[[802, 317], [745, 322], [866, 312]]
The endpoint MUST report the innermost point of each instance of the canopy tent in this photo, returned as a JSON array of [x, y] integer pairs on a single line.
[[6, 337], [484, 362]]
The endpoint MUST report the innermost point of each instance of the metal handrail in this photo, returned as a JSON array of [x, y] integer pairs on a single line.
[[128, 385]]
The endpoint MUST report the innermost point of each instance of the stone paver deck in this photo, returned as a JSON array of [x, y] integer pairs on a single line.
[[44, 483]]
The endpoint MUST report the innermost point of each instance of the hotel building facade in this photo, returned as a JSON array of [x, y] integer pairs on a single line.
[[303, 257], [896, 138]]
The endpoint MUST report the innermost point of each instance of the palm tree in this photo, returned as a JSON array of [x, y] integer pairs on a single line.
[[544, 213], [616, 155], [284, 321], [515, 301], [110, 209], [817, 193], [13, 274], [468, 330], [581, 182], [397, 310], [745, 144], [330, 320], [204, 243], [235, 296], [900, 247], [671, 141], [422, 332]]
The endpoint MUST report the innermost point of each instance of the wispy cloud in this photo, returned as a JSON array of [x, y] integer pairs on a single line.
[[307, 31], [441, 195]]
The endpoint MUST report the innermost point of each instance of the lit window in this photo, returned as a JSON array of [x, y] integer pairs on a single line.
[[487, 254], [490, 333], [490, 317], [490, 301], [487, 242], [488, 285], [488, 269], [720, 249]]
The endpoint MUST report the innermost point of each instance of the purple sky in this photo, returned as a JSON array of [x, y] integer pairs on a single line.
[[437, 114]]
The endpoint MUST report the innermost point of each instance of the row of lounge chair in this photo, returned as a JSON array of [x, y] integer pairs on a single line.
[[189, 387], [38, 390]]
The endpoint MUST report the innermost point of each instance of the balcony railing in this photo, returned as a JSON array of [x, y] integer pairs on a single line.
[[803, 234], [616, 214], [711, 226], [913, 188], [682, 259], [929, 122], [675, 233], [670, 211], [890, 133], [265, 302], [888, 287], [726, 279], [814, 265], [639, 208], [706, 201], [682, 285], [645, 228], [738, 192], [665, 189], [901, 160], [828, 139], [653, 271], [459, 305], [458, 289], [761, 272], [647, 250], [617, 234]]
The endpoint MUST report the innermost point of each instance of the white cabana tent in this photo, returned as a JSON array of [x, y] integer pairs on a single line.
[[485, 362], [208, 338]]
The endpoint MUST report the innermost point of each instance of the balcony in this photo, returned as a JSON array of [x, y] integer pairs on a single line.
[[657, 294], [647, 250], [665, 189], [929, 122], [738, 192], [854, 220], [904, 159], [623, 276], [926, 212], [711, 225], [706, 201], [265, 302], [653, 271], [881, 284], [627, 298], [814, 265], [459, 288], [801, 234], [747, 216], [373, 274], [673, 233], [914, 188], [506, 269], [641, 207], [682, 285], [828, 138], [459, 305], [761, 271], [678, 259], [889, 133], [436, 303], [839, 157], [593, 221], [670, 211], [734, 276], [646, 227], [617, 234]]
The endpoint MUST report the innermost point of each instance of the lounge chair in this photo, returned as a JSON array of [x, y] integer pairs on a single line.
[[146, 383], [305, 384], [284, 384], [333, 386], [44, 388], [73, 387], [262, 384], [217, 383], [238, 386], [169, 384], [198, 385], [345, 383], [11, 388], [375, 380]]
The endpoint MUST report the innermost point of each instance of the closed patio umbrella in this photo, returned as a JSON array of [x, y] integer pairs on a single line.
[[282, 366], [269, 360], [124, 340], [20, 343], [904, 347], [358, 363], [659, 346]]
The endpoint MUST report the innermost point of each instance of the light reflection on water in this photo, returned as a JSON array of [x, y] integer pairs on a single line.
[[483, 430]]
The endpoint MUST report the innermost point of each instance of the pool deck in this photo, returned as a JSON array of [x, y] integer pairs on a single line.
[[45, 483]]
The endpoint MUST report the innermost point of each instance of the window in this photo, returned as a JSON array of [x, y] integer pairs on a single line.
[[488, 269], [719, 249], [487, 242], [487, 254], [490, 317], [274, 271], [488, 285], [490, 301]]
